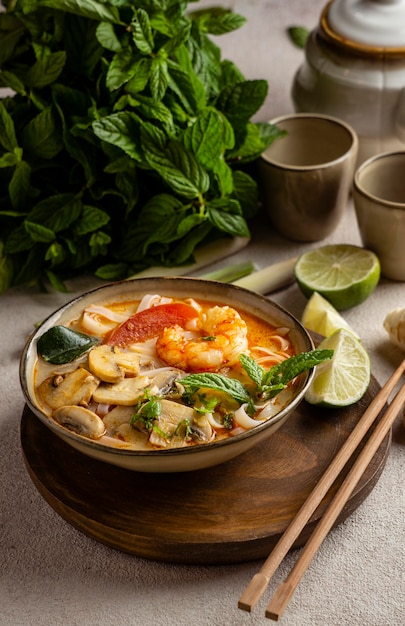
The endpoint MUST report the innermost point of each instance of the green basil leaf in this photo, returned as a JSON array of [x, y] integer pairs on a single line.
[[60, 345]]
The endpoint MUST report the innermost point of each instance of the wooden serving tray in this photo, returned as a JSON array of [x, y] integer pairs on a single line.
[[227, 514]]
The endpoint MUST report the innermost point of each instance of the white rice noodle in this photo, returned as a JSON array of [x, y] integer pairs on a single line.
[[213, 422], [269, 409], [194, 304], [151, 300], [237, 431], [147, 348], [103, 409], [97, 322], [244, 420], [107, 313]]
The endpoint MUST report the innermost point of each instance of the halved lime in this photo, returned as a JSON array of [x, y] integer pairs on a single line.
[[322, 318], [344, 379], [345, 275]]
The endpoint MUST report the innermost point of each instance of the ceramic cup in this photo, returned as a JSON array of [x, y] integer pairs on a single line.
[[306, 175], [379, 200]]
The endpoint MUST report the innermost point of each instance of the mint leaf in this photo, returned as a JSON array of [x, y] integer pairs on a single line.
[[19, 185], [298, 35], [122, 130], [226, 215], [142, 32], [46, 71], [7, 132], [217, 382], [204, 138], [178, 167], [40, 136]]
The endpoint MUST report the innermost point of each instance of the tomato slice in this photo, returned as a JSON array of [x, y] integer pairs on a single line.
[[149, 323]]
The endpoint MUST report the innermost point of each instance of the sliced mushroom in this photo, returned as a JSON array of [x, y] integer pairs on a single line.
[[117, 416], [126, 392], [80, 420], [111, 364], [128, 361], [75, 387], [176, 424], [102, 363]]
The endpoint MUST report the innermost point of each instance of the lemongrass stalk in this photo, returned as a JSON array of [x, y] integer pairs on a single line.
[[231, 273]]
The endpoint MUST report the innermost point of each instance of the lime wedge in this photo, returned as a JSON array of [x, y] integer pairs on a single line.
[[345, 275], [344, 379], [322, 318]]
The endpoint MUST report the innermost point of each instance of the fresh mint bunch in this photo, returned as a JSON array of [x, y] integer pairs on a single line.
[[126, 142]]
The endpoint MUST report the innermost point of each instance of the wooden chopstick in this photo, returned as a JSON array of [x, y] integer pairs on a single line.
[[259, 582], [284, 592]]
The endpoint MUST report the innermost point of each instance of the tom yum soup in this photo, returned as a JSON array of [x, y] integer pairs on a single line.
[[164, 373]]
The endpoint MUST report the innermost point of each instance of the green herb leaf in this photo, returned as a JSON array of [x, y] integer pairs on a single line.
[[234, 388], [298, 35], [60, 345], [270, 382]]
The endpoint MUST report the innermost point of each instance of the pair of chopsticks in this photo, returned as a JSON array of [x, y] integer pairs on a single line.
[[283, 594]]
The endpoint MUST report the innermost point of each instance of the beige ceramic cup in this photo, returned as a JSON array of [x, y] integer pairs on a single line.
[[306, 175], [379, 200]]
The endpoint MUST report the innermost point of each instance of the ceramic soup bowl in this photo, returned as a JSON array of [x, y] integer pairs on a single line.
[[211, 451]]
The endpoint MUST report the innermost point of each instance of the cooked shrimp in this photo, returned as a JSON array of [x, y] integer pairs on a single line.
[[223, 337]]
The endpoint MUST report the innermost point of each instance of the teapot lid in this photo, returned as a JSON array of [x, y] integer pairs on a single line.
[[376, 23]]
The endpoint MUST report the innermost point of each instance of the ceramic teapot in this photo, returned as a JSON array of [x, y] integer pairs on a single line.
[[354, 69]]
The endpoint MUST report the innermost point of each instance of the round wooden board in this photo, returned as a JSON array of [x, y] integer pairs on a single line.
[[227, 514]]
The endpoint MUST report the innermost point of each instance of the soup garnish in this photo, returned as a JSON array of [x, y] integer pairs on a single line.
[[166, 373]]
